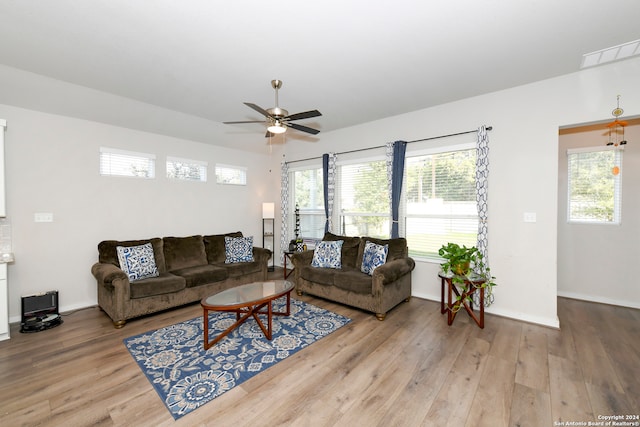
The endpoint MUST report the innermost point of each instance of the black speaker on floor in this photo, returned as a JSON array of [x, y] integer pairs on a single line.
[[40, 312]]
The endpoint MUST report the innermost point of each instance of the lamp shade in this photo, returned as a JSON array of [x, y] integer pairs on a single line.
[[268, 210]]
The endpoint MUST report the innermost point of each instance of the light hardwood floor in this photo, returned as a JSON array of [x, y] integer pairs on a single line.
[[410, 370]]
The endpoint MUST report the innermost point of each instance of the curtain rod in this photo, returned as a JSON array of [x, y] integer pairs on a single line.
[[408, 142]]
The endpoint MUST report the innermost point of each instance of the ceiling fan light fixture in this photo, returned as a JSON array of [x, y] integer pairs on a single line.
[[277, 128]]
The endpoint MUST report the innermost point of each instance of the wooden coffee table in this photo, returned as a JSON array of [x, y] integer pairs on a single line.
[[246, 301]]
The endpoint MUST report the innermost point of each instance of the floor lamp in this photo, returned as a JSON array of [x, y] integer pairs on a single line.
[[268, 225]]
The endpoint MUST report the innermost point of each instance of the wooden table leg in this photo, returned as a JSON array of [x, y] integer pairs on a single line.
[[481, 324], [241, 320], [205, 319], [450, 305], [285, 266], [242, 315], [442, 295]]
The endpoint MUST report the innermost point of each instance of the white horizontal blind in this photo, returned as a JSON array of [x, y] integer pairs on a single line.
[[364, 205], [186, 169], [235, 175], [114, 162], [440, 201], [594, 185]]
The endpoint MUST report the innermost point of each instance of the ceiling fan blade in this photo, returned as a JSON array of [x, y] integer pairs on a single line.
[[247, 121], [303, 128], [305, 115], [258, 109]]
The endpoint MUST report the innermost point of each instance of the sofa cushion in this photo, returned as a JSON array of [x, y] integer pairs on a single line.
[[108, 254], [242, 268], [215, 248], [201, 274], [323, 276], [183, 252], [137, 262], [353, 280], [397, 248], [328, 254], [165, 283], [349, 248], [238, 249], [374, 256]]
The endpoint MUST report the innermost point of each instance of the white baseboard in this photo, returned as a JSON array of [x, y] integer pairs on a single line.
[[63, 310], [543, 321], [599, 299]]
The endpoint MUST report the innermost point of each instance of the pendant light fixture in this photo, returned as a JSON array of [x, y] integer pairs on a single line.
[[616, 127]]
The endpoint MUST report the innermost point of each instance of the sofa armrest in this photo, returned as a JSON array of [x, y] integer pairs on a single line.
[[261, 254], [303, 258], [106, 273], [393, 270]]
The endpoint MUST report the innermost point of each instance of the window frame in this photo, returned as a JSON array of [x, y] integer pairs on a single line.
[[617, 186], [404, 216], [201, 165], [308, 212], [338, 216], [118, 160], [241, 169]]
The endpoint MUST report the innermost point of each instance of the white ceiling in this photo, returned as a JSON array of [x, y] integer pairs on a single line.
[[355, 61]]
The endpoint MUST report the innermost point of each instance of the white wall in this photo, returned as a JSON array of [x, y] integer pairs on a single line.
[[523, 173], [598, 262], [52, 166]]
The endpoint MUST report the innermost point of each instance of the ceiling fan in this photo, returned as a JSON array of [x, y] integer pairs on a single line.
[[278, 118]]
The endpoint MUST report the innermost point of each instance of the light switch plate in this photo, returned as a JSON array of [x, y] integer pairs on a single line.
[[529, 217]]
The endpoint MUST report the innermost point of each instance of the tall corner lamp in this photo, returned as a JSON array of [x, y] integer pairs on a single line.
[[268, 226]]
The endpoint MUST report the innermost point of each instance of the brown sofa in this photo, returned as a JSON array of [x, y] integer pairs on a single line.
[[190, 268], [389, 285]]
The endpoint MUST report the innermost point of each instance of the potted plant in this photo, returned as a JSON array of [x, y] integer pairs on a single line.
[[466, 264]]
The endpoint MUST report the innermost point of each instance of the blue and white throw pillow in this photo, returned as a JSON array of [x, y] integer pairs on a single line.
[[328, 254], [238, 249], [137, 262], [374, 256]]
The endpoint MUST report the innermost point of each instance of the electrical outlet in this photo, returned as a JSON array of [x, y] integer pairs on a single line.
[[529, 217]]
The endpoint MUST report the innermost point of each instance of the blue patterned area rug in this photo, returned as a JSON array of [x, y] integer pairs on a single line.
[[187, 377]]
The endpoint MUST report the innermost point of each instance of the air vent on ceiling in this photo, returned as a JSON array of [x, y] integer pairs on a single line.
[[615, 53]]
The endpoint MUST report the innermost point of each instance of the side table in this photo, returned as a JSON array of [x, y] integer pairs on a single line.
[[464, 288], [289, 255]]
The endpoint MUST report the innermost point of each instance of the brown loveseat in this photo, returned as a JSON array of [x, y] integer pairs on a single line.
[[389, 285], [190, 268]]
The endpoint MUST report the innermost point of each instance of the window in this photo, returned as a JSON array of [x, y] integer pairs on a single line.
[[308, 195], [115, 162], [439, 201], [235, 175], [186, 170], [363, 199], [594, 185]]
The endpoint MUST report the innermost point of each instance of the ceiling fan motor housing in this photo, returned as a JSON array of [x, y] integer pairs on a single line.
[[278, 112]]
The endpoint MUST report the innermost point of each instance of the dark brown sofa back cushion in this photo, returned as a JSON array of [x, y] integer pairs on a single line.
[[107, 251], [183, 252], [214, 246], [349, 248], [397, 248]]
